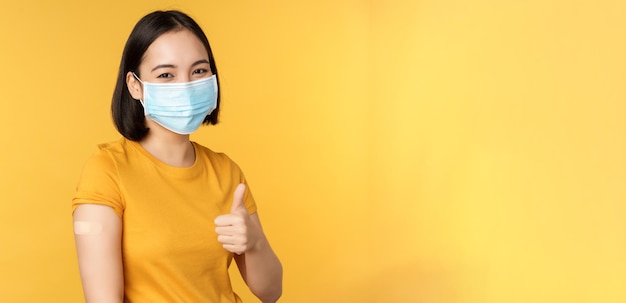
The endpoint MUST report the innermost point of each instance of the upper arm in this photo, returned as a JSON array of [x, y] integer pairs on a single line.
[[98, 234]]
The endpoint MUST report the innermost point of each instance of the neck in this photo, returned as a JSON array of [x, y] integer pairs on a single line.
[[170, 148]]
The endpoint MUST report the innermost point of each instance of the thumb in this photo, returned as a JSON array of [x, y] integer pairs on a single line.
[[238, 199]]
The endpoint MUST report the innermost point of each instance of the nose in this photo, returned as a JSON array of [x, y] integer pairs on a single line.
[[184, 78]]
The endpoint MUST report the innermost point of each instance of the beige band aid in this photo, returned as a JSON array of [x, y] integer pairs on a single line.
[[87, 228]]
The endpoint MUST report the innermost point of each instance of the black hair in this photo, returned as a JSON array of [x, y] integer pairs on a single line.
[[128, 113]]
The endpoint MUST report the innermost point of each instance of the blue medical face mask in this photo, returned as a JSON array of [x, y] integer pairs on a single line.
[[179, 107]]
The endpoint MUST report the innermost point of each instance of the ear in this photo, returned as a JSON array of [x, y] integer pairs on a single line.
[[135, 88]]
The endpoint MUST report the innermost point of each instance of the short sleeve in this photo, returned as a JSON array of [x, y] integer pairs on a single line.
[[237, 178], [248, 199], [99, 183]]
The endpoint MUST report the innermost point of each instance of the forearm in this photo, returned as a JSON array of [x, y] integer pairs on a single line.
[[262, 271]]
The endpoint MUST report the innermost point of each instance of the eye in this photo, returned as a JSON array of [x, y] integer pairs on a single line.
[[200, 71], [165, 75]]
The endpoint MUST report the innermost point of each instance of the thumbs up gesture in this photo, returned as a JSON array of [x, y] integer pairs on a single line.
[[237, 232]]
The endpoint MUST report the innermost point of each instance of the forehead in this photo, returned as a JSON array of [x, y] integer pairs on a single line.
[[178, 47]]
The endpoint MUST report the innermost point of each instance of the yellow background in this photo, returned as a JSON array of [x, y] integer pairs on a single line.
[[400, 151]]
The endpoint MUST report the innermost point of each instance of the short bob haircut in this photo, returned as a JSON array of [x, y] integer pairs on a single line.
[[128, 113]]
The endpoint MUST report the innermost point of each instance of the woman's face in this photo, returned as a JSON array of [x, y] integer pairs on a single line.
[[176, 56]]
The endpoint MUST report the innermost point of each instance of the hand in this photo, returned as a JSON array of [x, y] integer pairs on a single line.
[[236, 231]]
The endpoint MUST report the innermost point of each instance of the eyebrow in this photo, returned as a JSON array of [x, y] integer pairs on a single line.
[[200, 62], [174, 66]]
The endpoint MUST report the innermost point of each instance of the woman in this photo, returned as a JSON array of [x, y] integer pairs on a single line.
[[159, 218]]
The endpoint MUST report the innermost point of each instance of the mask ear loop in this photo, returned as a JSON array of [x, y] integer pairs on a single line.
[[142, 84], [137, 77]]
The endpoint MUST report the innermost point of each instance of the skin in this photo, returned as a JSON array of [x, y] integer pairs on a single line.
[[176, 56]]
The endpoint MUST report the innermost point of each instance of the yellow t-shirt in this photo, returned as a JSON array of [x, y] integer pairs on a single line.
[[169, 245]]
